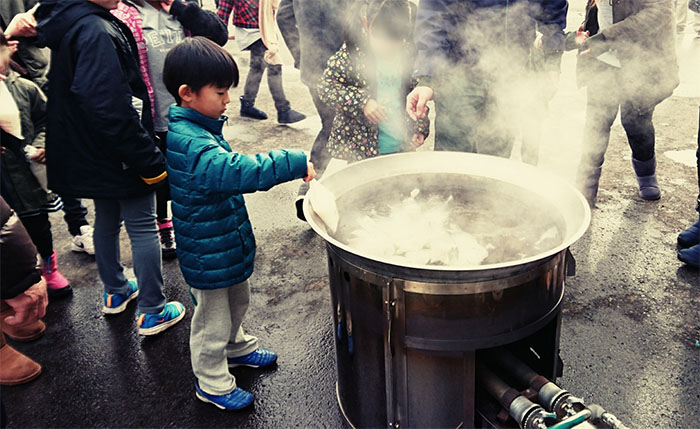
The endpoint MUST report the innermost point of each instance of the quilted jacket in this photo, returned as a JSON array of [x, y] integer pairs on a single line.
[[215, 243]]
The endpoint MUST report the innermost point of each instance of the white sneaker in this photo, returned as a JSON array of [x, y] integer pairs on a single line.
[[83, 243]]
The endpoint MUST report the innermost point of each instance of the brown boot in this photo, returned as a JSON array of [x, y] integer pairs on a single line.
[[21, 333], [15, 368]]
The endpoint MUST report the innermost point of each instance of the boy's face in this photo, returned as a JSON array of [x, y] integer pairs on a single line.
[[4, 59], [210, 101]]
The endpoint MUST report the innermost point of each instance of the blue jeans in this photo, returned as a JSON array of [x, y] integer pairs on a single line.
[[139, 216]]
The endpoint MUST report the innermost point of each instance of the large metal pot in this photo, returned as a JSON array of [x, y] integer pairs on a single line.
[[407, 335]]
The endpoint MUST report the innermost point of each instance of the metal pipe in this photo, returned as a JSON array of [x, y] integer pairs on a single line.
[[552, 397], [526, 413]]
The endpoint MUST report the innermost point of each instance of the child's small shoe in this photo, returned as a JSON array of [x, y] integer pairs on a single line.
[[236, 400], [690, 256], [155, 323], [690, 237], [114, 304], [260, 358]]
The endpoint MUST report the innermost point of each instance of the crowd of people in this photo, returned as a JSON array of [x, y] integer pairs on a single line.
[[128, 111]]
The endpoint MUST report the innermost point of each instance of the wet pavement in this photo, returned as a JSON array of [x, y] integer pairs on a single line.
[[630, 325]]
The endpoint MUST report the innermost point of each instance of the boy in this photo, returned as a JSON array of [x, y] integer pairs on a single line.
[[216, 247], [100, 146]]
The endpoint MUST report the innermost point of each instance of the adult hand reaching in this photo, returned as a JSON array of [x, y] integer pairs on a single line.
[[29, 306], [22, 25], [416, 101]]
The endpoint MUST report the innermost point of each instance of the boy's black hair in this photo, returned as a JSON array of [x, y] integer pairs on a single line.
[[198, 62], [3, 39], [393, 19]]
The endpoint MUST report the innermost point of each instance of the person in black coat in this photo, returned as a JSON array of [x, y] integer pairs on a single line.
[[100, 145], [24, 291]]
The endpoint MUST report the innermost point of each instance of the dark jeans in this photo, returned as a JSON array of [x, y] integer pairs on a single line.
[[274, 77], [163, 192], [139, 217], [74, 213], [483, 114], [39, 229], [604, 100], [287, 23], [319, 151]]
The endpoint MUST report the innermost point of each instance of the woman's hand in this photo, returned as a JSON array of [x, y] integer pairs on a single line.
[[39, 156], [417, 140], [374, 112], [22, 25], [416, 101]]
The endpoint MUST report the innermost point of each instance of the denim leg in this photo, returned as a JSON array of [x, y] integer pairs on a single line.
[[255, 72], [106, 237], [74, 214], [697, 155], [639, 127], [140, 221], [458, 112], [274, 82], [319, 151], [287, 23]]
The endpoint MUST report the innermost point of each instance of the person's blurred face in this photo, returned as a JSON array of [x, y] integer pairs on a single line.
[[384, 46], [210, 101], [107, 4], [4, 59]]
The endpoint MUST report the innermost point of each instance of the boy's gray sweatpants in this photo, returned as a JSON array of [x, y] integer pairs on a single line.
[[217, 334]]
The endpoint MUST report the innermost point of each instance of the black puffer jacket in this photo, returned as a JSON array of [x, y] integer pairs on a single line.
[[18, 256], [99, 140]]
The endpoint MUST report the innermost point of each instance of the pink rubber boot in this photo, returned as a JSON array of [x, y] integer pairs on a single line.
[[56, 284]]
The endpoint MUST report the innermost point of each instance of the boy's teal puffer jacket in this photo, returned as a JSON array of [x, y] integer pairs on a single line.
[[215, 243]]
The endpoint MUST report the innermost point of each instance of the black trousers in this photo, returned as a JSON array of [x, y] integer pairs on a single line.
[[39, 229], [604, 100], [74, 213], [286, 21], [163, 192]]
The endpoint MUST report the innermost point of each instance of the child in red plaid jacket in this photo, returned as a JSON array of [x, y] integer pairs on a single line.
[[247, 23]]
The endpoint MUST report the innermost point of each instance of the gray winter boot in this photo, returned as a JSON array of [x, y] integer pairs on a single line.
[[587, 182], [646, 177]]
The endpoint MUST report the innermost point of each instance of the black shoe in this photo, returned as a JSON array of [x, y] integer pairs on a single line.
[[248, 110], [167, 240], [299, 202], [289, 116]]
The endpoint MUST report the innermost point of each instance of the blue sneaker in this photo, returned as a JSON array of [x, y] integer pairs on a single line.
[[691, 256], [690, 237], [260, 358], [155, 323], [236, 400], [114, 304]]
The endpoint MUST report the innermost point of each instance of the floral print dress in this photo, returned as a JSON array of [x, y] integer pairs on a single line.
[[346, 86]]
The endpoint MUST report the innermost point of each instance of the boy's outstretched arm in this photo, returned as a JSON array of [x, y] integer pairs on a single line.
[[219, 171]]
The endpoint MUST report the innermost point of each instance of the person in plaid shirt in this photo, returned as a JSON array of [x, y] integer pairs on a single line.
[[247, 23]]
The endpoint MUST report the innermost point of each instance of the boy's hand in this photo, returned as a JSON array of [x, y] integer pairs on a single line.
[[416, 101], [39, 156], [417, 140], [374, 112], [310, 172]]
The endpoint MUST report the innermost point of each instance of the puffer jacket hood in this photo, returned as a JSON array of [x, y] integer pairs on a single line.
[[56, 17]]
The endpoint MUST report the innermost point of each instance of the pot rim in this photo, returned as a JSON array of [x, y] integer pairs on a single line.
[[511, 166]]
